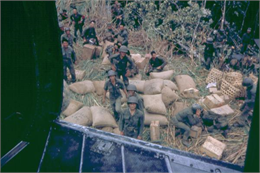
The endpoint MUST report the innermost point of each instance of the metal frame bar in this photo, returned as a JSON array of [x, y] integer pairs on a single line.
[[13, 152], [123, 157], [44, 151], [82, 153]]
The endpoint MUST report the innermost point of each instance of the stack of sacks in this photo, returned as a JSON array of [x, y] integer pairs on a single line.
[[154, 107], [95, 116]]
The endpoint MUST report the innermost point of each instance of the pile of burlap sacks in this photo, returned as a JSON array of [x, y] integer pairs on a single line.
[[158, 93]]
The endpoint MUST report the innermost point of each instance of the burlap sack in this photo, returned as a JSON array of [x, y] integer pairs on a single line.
[[107, 129], [168, 96], [170, 84], [184, 82], [123, 99], [102, 117], [148, 118], [162, 75], [136, 77], [177, 107], [82, 117], [116, 131], [99, 87], [154, 104], [153, 86], [83, 87], [139, 85], [106, 61], [73, 107]]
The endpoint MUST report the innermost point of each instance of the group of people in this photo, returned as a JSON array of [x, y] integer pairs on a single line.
[[131, 119], [239, 59]]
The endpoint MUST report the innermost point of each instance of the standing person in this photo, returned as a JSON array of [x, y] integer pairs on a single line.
[[89, 35], [208, 52], [131, 122], [131, 90], [119, 64], [246, 39], [68, 37], [69, 57], [155, 64], [78, 22], [113, 10], [119, 15], [113, 85], [219, 40], [187, 118], [122, 35], [249, 103]]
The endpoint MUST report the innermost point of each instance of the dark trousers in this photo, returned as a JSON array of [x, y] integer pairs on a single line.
[[67, 63], [116, 107], [76, 28], [118, 22], [125, 79], [244, 48]]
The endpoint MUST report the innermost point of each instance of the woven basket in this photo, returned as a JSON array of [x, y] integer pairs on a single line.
[[234, 78], [229, 89], [215, 75]]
